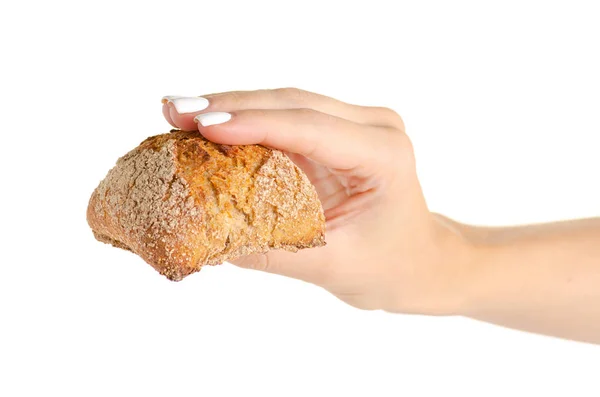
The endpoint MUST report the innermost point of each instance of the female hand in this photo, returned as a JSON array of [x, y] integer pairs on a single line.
[[384, 250]]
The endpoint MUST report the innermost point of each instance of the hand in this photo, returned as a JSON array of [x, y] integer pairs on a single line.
[[384, 250]]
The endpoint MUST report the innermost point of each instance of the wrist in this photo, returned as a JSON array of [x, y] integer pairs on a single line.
[[474, 260], [437, 281], [458, 256]]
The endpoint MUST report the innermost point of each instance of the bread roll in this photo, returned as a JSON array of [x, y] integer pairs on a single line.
[[181, 202]]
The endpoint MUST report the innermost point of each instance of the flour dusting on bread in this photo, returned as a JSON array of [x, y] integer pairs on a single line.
[[181, 202]]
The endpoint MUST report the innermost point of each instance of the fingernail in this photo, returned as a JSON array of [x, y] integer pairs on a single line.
[[185, 104], [213, 118]]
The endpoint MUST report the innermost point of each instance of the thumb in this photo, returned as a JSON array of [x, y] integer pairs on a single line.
[[320, 265], [313, 265], [307, 265]]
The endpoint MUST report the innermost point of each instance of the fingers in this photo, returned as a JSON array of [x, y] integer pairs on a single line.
[[293, 98], [180, 111], [183, 110], [332, 141]]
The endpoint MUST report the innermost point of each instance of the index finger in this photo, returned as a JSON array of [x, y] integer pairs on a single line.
[[331, 141]]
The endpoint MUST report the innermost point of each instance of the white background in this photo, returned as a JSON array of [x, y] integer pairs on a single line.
[[501, 100]]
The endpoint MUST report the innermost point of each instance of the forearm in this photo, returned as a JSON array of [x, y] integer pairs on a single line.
[[539, 278]]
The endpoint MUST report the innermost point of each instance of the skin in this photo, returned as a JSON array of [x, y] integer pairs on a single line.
[[385, 250]]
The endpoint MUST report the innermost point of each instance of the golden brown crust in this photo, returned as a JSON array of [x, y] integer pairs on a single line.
[[181, 202]]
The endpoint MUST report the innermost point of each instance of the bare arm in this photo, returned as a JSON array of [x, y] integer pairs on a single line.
[[385, 250], [540, 278]]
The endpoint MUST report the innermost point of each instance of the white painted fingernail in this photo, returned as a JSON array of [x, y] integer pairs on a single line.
[[186, 104], [213, 118]]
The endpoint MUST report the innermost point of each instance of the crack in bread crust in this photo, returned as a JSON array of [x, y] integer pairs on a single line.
[[180, 202]]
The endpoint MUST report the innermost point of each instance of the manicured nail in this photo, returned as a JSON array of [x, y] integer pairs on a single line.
[[213, 118], [185, 104]]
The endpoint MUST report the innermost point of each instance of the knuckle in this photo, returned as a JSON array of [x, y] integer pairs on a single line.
[[314, 119], [388, 111], [259, 113], [293, 95], [397, 145], [392, 117], [235, 99], [307, 113], [402, 142]]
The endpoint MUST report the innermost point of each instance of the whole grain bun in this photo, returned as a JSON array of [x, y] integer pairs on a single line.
[[181, 202]]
